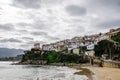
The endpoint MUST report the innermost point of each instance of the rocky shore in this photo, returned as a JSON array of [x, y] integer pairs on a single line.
[[34, 62]]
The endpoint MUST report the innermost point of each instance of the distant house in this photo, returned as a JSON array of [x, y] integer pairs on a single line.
[[90, 47], [113, 32], [61, 45], [36, 48], [90, 53], [46, 47], [76, 51]]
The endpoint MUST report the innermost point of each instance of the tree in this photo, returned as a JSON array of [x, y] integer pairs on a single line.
[[116, 38], [103, 46]]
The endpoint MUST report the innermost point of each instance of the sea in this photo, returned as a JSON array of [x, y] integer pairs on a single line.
[[37, 72]]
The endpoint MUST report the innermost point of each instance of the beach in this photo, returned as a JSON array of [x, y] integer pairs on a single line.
[[99, 73], [104, 73]]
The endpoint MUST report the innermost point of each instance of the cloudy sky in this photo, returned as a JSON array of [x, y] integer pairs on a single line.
[[24, 22]]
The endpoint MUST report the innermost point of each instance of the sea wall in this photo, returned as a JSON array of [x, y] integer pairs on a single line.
[[106, 63], [111, 64]]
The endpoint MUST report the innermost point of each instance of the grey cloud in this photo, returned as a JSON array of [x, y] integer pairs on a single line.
[[52, 2], [0, 10], [23, 31], [7, 27], [23, 24], [75, 10], [51, 37], [107, 2], [25, 45], [39, 33], [108, 5], [10, 40], [33, 4], [109, 24], [32, 42], [76, 28], [42, 42], [27, 38], [79, 29], [38, 24]]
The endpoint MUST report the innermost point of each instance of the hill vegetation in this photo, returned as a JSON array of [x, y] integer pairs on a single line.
[[111, 48], [53, 57], [116, 38]]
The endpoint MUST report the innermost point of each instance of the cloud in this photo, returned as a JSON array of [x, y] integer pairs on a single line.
[[27, 38], [37, 24], [105, 6], [33, 42], [79, 28], [23, 31], [25, 45], [75, 10], [108, 3], [52, 38], [109, 24], [10, 40], [39, 33], [46, 21], [7, 27], [23, 24], [33, 4]]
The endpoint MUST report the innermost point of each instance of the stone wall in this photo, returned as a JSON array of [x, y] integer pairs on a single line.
[[111, 64], [106, 63]]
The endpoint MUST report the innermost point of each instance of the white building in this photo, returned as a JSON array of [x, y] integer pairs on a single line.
[[90, 47], [90, 53]]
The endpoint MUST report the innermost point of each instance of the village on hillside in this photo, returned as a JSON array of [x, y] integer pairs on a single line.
[[73, 44], [84, 46]]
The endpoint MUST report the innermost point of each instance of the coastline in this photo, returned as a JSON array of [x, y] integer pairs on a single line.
[[93, 72], [82, 67], [83, 71]]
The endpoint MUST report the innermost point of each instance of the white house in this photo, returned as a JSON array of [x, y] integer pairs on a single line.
[[90, 47], [90, 53]]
